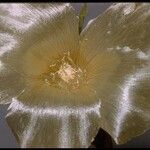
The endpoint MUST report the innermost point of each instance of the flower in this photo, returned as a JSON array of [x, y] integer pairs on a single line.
[[63, 86]]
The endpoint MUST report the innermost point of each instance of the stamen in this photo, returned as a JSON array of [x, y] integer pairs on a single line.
[[64, 73]]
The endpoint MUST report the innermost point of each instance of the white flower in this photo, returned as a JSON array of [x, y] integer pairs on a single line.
[[62, 86]]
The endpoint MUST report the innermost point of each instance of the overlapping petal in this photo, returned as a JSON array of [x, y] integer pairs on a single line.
[[118, 42]]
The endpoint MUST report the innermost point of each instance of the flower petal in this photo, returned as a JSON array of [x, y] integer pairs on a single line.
[[118, 45], [11, 84], [54, 119], [23, 26]]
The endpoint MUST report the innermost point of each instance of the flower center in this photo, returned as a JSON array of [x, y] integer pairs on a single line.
[[63, 72], [66, 72]]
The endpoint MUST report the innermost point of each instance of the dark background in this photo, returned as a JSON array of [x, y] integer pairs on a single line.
[[7, 140]]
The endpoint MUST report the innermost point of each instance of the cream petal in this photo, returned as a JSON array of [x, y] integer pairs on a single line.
[[55, 119], [11, 84], [117, 43], [23, 26]]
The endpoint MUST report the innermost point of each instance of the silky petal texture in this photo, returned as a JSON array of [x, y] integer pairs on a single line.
[[11, 83], [25, 25], [118, 42], [40, 115], [60, 120]]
